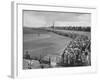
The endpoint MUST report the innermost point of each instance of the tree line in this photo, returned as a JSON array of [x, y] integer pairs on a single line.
[[74, 28]]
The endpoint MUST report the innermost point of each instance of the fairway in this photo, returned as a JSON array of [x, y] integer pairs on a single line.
[[44, 44], [47, 43]]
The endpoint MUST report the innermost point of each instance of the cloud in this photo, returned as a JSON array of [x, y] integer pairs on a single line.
[[33, 21], [85, 18], [47, 18], [65, 23]]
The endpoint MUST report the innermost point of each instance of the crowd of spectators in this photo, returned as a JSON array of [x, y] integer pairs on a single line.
[[78, 52]]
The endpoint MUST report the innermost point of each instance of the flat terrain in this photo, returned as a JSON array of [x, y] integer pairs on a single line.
[[52, 44], [41, 42]]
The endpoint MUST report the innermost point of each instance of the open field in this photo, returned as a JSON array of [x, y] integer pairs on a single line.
[[44, 43], [48, 43]]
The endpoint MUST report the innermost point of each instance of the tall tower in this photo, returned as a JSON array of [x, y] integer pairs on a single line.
[[52, 25]]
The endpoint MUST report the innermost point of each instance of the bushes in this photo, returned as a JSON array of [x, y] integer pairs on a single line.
[[77, 53]]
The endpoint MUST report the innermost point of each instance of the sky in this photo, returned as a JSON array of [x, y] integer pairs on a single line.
[[47, 19]]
